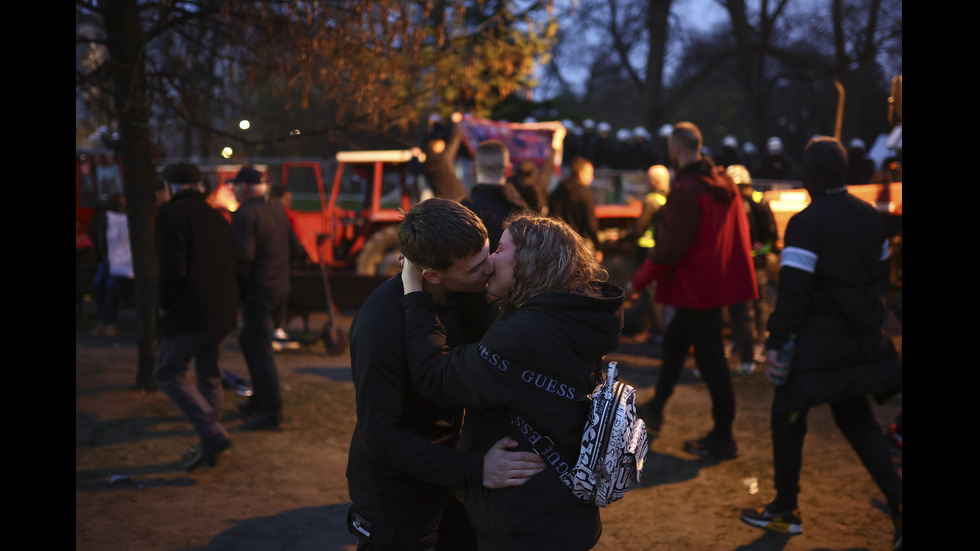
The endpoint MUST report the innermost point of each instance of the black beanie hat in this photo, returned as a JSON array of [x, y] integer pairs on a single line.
[[248, 175], [182, 174], [824, 164]]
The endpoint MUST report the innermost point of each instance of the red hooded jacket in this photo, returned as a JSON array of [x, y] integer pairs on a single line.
[[703, 255]]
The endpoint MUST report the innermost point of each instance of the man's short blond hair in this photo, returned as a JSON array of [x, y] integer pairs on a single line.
[[491, 161]]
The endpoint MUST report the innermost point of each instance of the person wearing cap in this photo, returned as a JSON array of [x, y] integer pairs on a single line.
[[748, 319], [261, 231], [646, 316], [729, 154], [834, 270], [774, 165], [198, 308]]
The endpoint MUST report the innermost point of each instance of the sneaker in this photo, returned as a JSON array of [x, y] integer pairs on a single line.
[[712, 446], [205, 453], [786, 522], [745, 369]]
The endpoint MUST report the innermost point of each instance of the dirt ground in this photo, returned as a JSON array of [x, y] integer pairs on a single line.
[[286, 490]]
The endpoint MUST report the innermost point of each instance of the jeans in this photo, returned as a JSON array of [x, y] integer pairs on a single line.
[[202, 404], [105, 293]]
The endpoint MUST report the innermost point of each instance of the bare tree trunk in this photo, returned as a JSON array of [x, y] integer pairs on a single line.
[[754, 45], [658, 26], [126, 51], [859, 82]]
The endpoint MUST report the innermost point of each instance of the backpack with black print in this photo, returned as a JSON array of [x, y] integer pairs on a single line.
[[613, 447]]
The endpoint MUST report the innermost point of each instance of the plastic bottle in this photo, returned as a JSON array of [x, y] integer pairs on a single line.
[[785, 357]]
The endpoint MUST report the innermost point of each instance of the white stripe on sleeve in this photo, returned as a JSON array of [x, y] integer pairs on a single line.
[[798, 258]]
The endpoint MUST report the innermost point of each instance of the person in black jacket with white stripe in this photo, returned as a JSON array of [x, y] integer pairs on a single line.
[[834, 270]]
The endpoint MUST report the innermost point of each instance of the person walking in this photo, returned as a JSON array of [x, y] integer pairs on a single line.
[[702, 263], [834, 271], [262, 232], [198, 308], [110, 234], [748, 319]]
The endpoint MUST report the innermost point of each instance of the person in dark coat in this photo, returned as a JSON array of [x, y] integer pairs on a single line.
[[834, 270], [537, 361], [198, 307], [572, 201], [493, 198], [262, 233], [404, 465], [532, 183]]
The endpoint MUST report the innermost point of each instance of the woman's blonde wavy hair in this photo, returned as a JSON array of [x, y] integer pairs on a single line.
[[549, 256]]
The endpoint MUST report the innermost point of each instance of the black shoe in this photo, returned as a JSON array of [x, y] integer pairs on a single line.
[[712, 446], [263, 421], [205, 453]]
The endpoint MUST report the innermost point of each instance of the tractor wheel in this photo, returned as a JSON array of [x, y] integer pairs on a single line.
[[379, 257]]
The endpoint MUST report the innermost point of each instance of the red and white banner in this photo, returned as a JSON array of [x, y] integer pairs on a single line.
[[540, 142]]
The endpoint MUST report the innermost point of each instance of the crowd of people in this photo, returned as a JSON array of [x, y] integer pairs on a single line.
[[507, 312], [498, 323]]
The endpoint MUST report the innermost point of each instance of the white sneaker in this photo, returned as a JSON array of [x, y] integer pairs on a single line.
[[745, 369], [280, 334]]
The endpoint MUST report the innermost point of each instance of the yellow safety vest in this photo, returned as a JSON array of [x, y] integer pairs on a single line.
[[646, 240]]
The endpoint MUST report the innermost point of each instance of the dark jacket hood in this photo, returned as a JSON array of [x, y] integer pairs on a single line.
[[597, 321], [824, 166], [721, 188]]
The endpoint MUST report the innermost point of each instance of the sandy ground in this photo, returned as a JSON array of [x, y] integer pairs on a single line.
[[287, 490]]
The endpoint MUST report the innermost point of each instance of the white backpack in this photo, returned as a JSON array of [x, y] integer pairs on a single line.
[[613, 448]]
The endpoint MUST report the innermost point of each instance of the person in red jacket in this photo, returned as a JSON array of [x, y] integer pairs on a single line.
[[702, 262]]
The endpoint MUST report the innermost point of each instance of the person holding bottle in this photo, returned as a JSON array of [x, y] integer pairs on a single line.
[[834, 270]]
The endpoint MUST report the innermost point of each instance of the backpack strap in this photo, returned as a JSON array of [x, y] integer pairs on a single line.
[[544, 446]]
